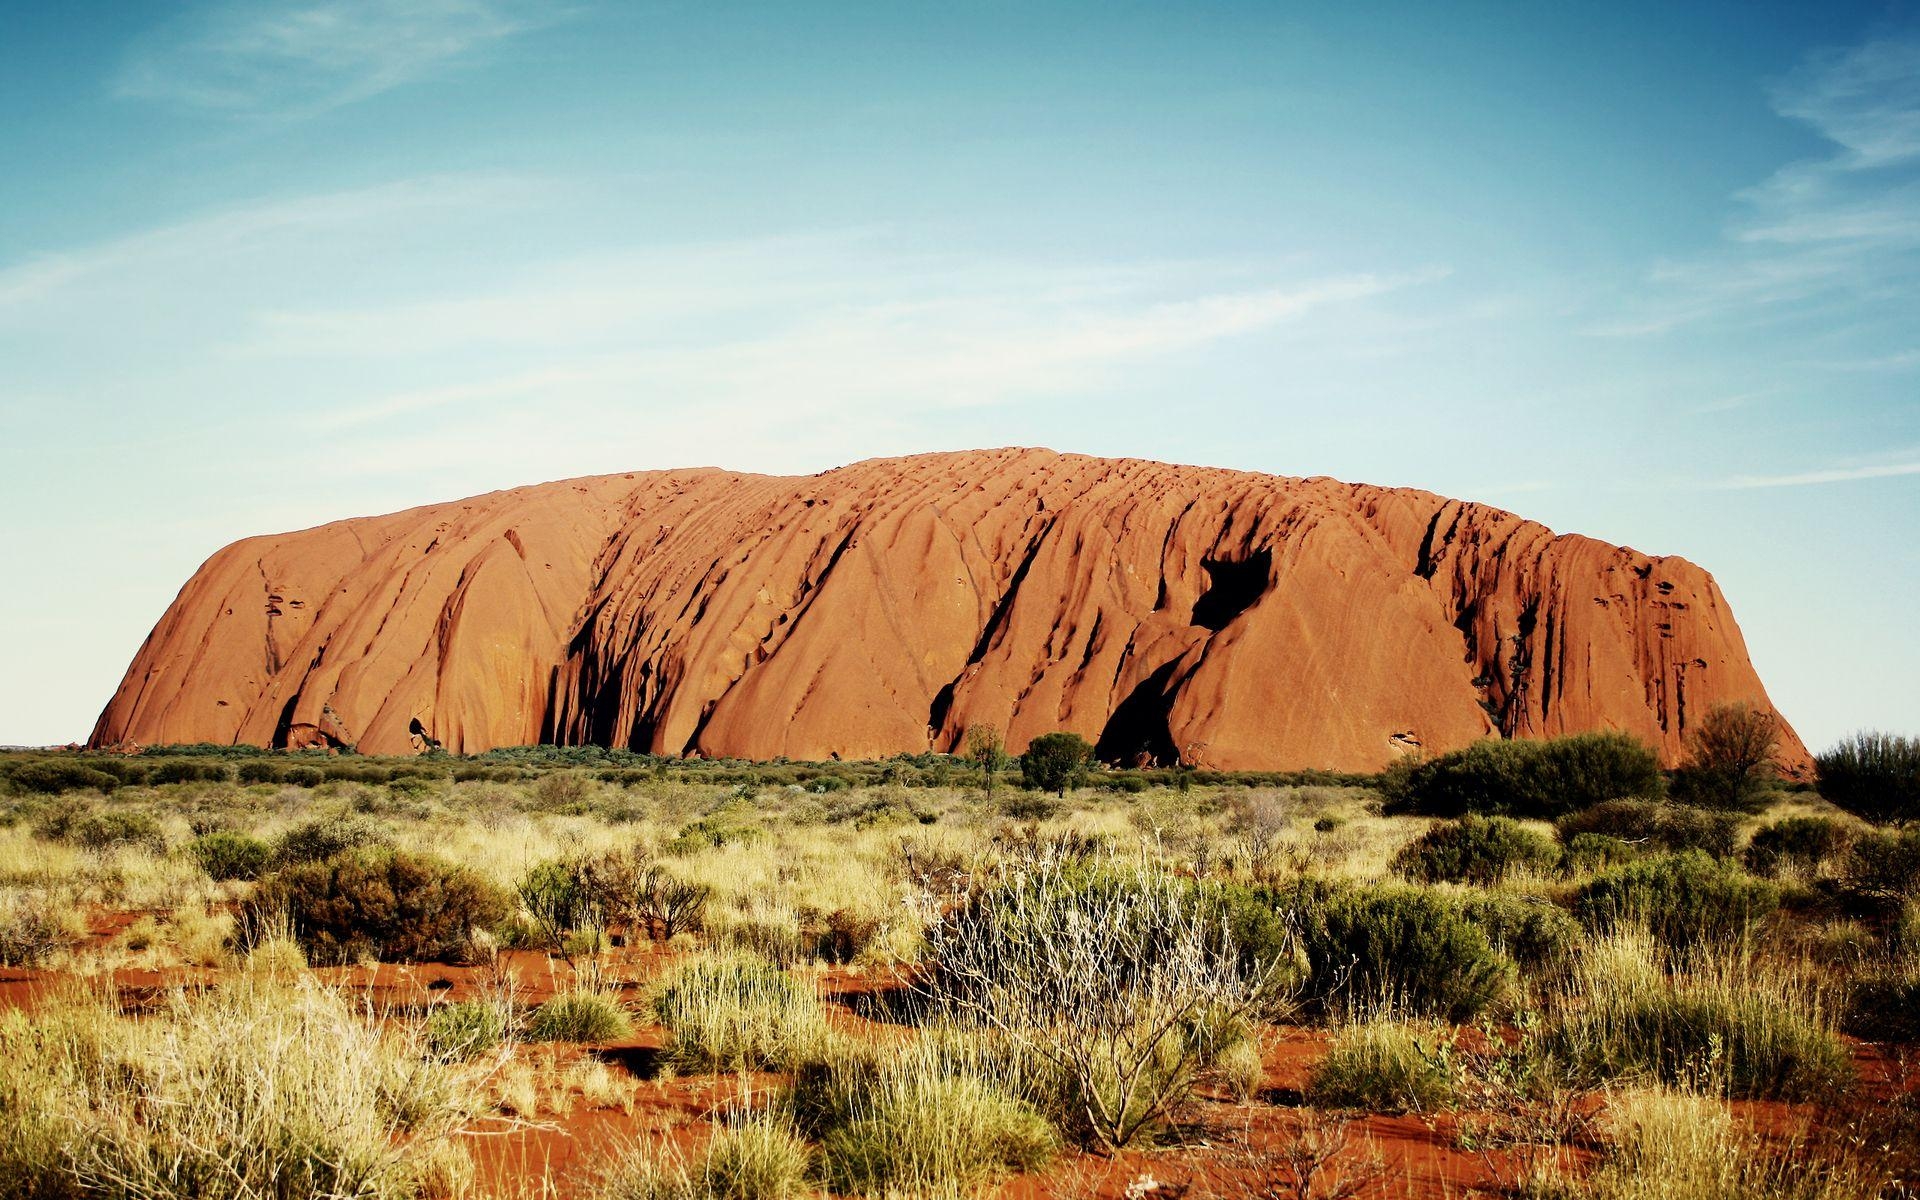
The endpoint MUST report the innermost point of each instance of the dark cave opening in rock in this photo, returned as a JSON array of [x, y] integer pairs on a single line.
[[1234, 587]]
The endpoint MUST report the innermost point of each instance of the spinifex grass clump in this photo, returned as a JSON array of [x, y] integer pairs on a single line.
[[735, 1012], [581, 1015], [1386, 1065], [762, 1158], [467, 1029], [1731, 1023], [1105, 976], [936, 1116], [266, 1087], [1669, 1145]]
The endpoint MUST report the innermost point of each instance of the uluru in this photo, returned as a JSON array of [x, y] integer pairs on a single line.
[[1223, 619]]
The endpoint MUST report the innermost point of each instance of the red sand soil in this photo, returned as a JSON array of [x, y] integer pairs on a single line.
[[1229, 619]]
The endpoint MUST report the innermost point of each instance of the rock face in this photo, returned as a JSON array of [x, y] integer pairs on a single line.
[[1223, 618]]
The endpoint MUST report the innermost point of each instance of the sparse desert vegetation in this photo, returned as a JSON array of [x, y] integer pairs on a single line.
[[1523, 970]]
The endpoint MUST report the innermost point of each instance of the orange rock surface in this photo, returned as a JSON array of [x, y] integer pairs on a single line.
[[1229, 619]]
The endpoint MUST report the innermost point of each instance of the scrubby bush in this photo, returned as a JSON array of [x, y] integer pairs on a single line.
[[225, 856], [1590, 853], [1798, 844], [1475, 849], [1884, 1007], [51, 777], [1644, 826], [1413, 948], [1540, 937], [1873, 775], [738, 1012], [105, 829], [176, 770], [1885, 866], [326, 837], [1383, 1065], [385, 904], [582, 1015], [1528, 778], [1054, 762], [1683, 900], [34, 927], [466, 1029]]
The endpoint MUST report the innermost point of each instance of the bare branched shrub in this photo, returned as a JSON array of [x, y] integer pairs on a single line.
[[1116, 980]]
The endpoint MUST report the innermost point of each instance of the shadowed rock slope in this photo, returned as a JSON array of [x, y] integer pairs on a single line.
[[1229, 619]]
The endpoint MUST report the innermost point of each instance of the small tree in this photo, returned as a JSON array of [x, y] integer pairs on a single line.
[[1055, 762], [1732, 759], [1875, 776], [986, 747]]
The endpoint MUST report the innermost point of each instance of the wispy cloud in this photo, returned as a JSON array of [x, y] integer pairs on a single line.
[[1829, 475], [177, 255], [360, 322], [300, 57], [1839, 228]]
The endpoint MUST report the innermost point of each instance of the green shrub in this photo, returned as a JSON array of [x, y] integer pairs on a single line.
[[1528, 778], [225, 856], [1884, 1007], [1885, 866], [259, 770], [1473, 849], [386, 904], [112, 827], [1670, 828], [50, 777], [1541, 938], [1383, 1065], [189, 771], [1684, 900], [1413, 948], [1873, 775], [1054, 762], [306, 777], [579, 1016], [1798, 843], [738, 1013], [327, 837], [1588, 853], [467, 1029]]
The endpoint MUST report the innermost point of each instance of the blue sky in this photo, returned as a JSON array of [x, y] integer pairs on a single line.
[[1646, 272]]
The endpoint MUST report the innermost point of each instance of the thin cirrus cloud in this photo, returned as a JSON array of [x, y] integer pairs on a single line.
[[1830, 475], [309, 56], [177, 255], [1839, 229], [851, 349]]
